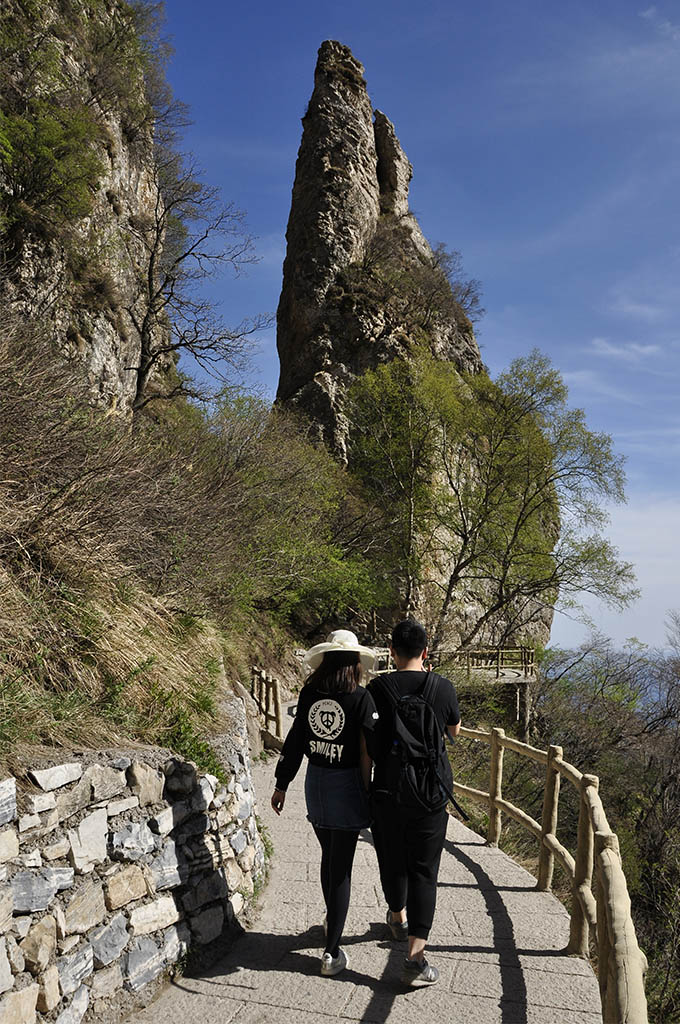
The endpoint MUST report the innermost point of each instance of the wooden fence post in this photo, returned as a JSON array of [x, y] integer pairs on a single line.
[[269, 686], [583, 872], [546, 858], [495, 786], [278, 718], [605, 941]]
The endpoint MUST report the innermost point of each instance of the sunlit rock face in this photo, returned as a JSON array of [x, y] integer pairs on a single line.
[[82, 283], [351, 186]]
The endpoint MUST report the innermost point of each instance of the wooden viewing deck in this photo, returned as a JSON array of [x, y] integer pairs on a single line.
[[499, 661]]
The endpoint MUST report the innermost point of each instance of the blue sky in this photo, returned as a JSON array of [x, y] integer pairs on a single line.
[[546, 148]]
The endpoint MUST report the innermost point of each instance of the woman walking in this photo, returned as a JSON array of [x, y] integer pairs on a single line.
[[334, 713]]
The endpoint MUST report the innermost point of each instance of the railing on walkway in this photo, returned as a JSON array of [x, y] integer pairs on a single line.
[[495, 659], [265, 690], [498, 658], [621, 963]]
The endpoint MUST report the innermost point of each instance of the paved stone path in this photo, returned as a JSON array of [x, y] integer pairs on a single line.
[[496, 942]]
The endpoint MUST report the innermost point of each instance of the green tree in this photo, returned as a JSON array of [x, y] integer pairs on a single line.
[[393, 446], [494, 490], [49, 168]]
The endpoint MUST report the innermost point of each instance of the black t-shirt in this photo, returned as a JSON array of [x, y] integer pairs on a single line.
[[327, 730], [444, 702]]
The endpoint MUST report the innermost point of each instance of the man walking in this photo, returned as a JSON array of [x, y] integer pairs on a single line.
[[411, 777]]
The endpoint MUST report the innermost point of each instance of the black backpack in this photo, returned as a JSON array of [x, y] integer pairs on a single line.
[[416, 764]]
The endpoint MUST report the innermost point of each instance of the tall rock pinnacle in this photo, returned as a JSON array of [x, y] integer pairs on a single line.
[[350, 212]]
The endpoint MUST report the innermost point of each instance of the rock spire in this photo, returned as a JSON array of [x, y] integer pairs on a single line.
[[349, 206]]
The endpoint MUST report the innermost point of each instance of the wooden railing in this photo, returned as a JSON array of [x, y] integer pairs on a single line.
[[621, 963], [484, 658], [496, 658], [265, 690]]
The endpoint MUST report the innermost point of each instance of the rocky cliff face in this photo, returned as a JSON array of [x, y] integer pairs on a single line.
[[73, 251], [362, 286], [349, 214]]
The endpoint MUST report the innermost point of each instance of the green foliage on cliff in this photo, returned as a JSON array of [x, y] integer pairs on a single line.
[[49, 168], [415, 290], [493, 488], [65, 69]]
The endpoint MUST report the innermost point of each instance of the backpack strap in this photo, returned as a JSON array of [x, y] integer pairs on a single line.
[[429, 686], [427, 693]]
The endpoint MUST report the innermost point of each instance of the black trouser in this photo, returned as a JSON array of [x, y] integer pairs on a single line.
[[337, 856], [409, 847]]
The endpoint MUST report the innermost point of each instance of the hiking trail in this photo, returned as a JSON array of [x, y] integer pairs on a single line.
[[498, 944]]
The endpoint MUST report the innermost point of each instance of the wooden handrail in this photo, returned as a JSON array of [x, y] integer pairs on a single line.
[[265, 690], [621, 962], [497, 658], [474, 658]]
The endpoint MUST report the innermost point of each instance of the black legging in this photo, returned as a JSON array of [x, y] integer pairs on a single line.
[[337, 857]]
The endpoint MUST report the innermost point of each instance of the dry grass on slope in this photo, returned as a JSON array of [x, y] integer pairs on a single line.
[[132, 560], [88, 655]]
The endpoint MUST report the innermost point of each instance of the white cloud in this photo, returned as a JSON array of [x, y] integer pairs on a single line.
[[652, 443], [615, 70], [638, 321], [646, 533], [643, 310], [649, 293], [593, 221], [629, 352], [663, 26], [593, 384]]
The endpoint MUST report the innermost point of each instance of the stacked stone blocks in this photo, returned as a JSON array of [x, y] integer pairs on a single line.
[[110, 872]]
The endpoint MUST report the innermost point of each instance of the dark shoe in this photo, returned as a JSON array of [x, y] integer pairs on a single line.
[[399, 929], [418, 972]]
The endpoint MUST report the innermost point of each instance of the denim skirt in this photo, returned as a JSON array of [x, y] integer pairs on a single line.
[[336, 798]]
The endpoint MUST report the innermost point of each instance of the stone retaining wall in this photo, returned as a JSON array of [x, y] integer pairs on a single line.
[[114, 864]]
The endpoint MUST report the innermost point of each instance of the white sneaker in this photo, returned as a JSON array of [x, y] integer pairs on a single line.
[[333, 965]]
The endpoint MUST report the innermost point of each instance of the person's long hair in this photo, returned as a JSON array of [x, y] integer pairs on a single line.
[[339, 672]]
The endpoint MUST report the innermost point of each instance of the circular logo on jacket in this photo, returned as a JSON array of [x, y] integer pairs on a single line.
[[326, 719]]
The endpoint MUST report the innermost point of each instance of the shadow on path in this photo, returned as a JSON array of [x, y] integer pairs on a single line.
[[259, 954], [513, 1001]]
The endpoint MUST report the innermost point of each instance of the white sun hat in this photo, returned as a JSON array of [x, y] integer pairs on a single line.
[[339, 640]]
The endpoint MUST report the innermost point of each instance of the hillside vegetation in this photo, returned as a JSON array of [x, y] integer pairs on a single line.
[[133, 564]]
